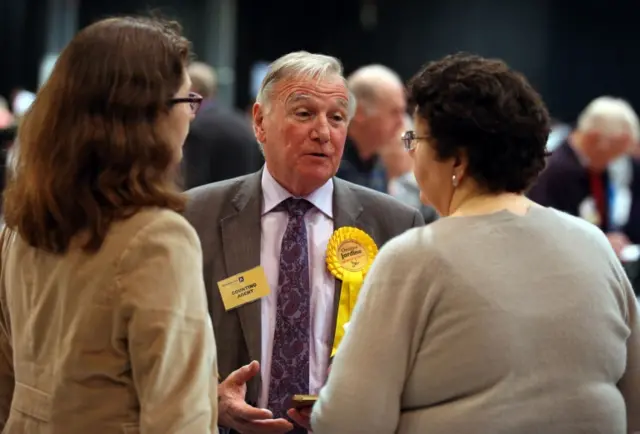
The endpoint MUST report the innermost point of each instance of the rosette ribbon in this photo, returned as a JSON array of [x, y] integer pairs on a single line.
[[350, 253]]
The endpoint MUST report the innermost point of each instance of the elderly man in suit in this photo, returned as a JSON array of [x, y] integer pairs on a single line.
[[376, 125], [591, 174], [280, 220]]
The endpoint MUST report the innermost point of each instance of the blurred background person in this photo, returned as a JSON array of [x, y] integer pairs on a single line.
[[103, 320], [402, 183], [220, 144], [6, 117], [503, 316], [21, 101], [591, 174], [558, 134], [381, 106], [8, 129]]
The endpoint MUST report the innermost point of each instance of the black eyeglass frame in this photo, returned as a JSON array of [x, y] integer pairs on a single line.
[[194, 100], [410, 140]]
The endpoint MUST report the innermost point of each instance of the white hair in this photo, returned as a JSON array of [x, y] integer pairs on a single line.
[[365, 82], [203, 78], [22, 102], [408, 122], [611, 117], [302, 64]]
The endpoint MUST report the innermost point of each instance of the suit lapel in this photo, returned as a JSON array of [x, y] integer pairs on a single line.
[[346, 211], [241, 244], [241, 234]]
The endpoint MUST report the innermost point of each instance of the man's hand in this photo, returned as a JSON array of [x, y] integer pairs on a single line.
[[302, 416], [235, 413]]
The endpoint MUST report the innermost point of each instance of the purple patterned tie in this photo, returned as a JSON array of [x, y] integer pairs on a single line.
[[290, 358]]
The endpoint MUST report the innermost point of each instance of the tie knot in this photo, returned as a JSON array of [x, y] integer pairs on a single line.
[[296, 207]]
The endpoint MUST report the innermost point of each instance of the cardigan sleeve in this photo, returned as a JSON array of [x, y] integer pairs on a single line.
[[630, 382], [364, 389]]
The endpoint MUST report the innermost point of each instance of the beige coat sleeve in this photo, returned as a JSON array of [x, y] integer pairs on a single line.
[[7, 379], [170, 335]]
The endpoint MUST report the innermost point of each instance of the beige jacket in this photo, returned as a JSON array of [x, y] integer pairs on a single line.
[[115, 342]]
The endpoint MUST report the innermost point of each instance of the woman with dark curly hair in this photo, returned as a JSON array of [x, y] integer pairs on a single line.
[[503, 317], [104, 325]]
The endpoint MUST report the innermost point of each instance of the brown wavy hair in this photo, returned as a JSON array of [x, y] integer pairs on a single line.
[[90, 149]]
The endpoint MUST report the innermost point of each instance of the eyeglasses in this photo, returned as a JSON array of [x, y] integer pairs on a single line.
[[410, 140], [194, 100]]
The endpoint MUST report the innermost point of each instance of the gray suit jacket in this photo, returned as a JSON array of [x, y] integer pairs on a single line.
[[226, 216]]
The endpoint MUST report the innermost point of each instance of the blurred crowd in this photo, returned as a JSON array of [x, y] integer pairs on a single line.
[[353, 253], [593, 172], [593, 169]]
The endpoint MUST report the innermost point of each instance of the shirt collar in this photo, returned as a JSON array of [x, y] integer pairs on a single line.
[[620, 170], [273, 194]]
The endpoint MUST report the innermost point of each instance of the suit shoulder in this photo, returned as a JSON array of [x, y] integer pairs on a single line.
[[562, 160], [214, 190], [375, 199], [205, 202]]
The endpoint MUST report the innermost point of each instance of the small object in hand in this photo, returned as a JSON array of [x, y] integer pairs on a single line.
[[303, 401]]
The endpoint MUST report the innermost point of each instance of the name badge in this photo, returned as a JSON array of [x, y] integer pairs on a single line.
[[243, 288]]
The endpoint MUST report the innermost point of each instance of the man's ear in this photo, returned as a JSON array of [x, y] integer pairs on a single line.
[[258, 122], [592, 136], [362, 113]]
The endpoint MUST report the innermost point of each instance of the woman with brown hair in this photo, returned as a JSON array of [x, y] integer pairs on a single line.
[[103, 322]]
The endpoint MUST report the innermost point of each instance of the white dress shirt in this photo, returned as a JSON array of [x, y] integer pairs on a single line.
[[619, 196], [319, 224]]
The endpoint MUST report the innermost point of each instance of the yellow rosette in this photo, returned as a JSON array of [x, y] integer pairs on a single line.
[[350, 253]]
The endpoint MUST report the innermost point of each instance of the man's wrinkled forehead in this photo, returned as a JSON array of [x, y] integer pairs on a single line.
[[297, 90]]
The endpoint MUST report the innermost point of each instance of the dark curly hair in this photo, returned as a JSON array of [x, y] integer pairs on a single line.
[[484, 108]]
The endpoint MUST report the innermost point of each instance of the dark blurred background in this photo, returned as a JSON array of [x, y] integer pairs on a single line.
[[571, 50]]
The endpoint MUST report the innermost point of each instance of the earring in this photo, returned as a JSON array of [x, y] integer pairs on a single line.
[[454, 181]]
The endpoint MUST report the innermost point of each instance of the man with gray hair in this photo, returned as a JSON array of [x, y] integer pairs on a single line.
[[378, 123], [267, 234], [591, 174]]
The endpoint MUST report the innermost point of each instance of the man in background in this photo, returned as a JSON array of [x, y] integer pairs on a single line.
[[378, 122], [592, 175], [221, 144], [402, 184], [6, 117]]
